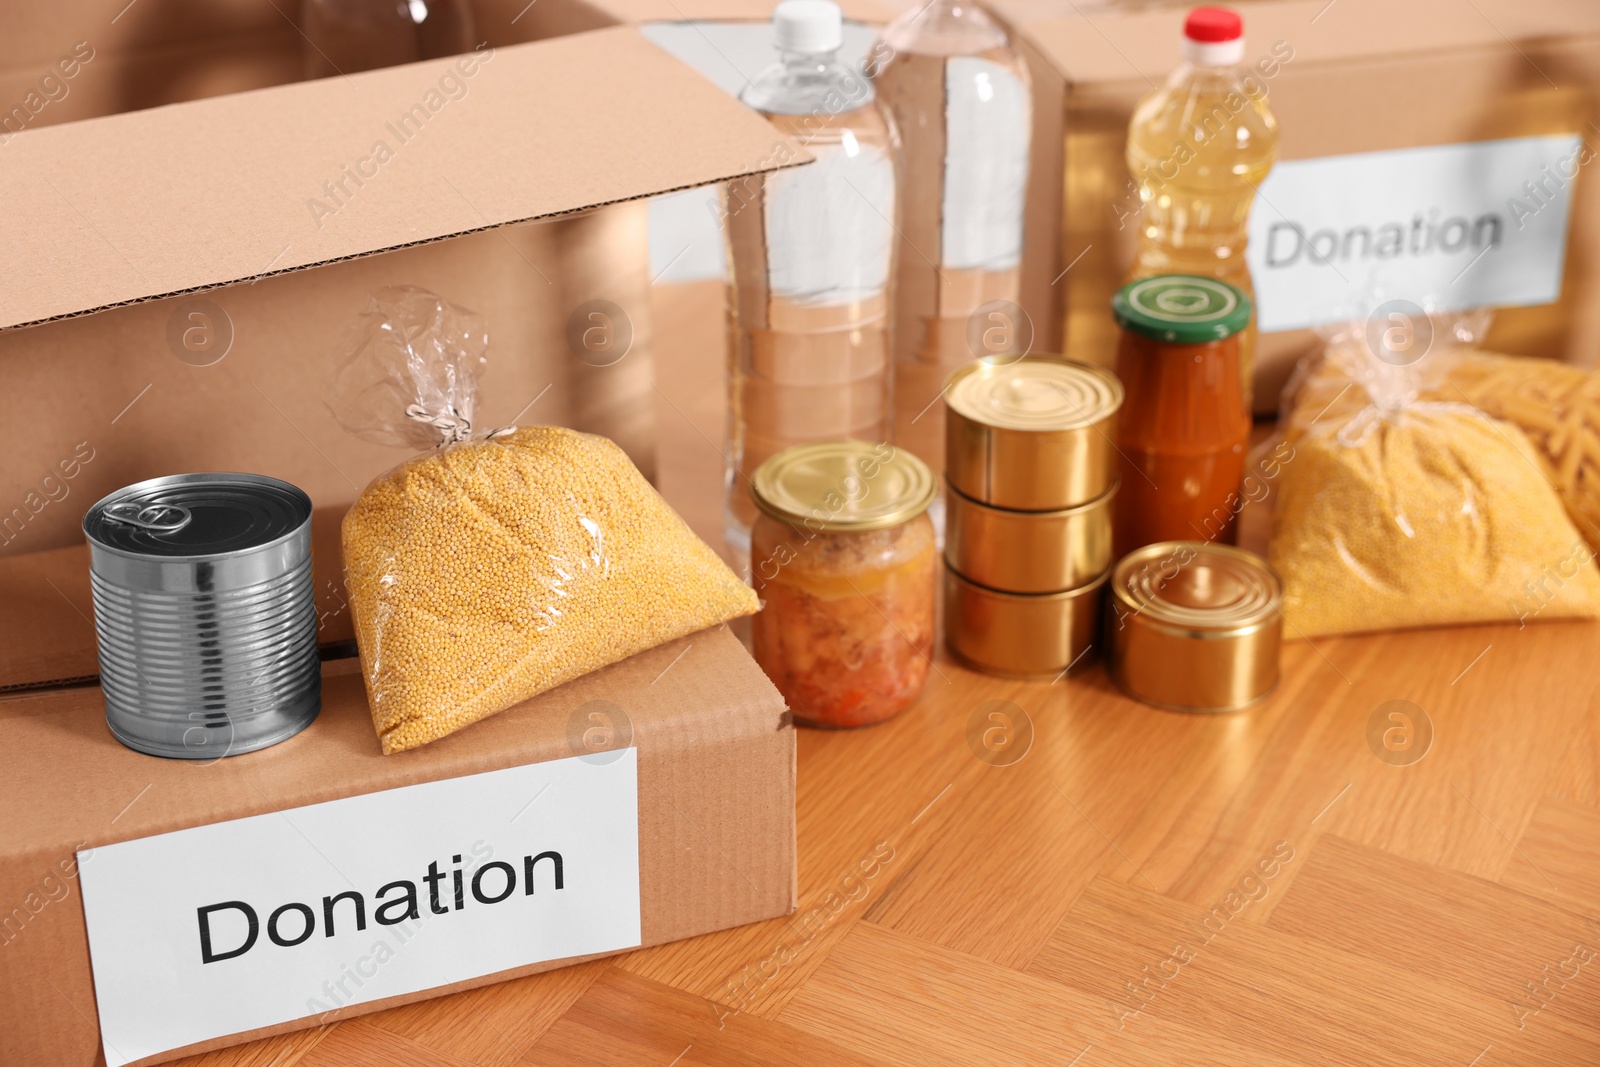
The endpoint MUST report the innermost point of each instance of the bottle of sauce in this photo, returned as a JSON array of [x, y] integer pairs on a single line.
[[1198, 147], [1184, 426]]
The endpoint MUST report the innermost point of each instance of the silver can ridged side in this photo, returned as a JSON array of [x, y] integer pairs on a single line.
[[202, 675], [208, 644]]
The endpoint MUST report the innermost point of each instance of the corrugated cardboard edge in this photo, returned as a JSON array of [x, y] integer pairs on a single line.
[[803, 158], [792, 155]]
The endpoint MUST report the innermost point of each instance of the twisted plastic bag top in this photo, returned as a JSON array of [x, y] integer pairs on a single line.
[[1402, 505], [411, 375]]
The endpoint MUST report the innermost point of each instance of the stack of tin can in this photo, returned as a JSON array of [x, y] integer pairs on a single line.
[[1030, 480]]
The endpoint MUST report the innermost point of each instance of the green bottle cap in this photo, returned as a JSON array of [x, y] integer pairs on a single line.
[[1185, 309]]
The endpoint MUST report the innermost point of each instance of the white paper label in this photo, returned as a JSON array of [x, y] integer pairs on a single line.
[[219, 929], [828, 224], [988, 125], [1447, 227]]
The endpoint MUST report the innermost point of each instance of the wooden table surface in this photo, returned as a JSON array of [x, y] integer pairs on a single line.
[[1086, 881]]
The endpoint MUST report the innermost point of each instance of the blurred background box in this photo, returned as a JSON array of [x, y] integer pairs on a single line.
[[1364, 76]]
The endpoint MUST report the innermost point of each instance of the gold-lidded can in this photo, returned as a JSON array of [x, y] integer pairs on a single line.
[[1021, 635], [1028, 551], [1194, 626], [844, 486], [1030, 434]]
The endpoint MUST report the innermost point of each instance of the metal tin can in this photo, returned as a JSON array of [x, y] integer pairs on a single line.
[[1031, 434], [1195, 626], [1028, 551], [1021, 635], [204, 608]]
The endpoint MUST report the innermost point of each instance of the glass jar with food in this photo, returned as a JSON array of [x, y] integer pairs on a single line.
[[1185, 426], [843, 555]]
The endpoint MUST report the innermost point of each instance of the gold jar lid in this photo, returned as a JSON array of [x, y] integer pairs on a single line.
[[1198, 587], [1039, 395], [843, 486]]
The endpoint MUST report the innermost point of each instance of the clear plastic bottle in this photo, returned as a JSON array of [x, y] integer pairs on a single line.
[[345, 36], [1198, 147], [812, 249], [960, 97]]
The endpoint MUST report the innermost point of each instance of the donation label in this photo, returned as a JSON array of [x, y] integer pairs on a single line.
[[219, 929]]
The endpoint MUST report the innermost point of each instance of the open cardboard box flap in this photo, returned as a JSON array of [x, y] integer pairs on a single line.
[[193, 196]]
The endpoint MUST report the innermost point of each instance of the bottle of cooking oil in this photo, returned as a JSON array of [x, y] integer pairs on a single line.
[[812, 254], [960, 99], [1198, 147]]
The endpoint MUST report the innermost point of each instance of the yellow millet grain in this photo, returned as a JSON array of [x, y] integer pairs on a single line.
[[1436, 516], [1556, 405], [489, 572]]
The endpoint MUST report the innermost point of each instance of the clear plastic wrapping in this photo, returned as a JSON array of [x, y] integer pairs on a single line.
[[1405, 503], [497, 565]]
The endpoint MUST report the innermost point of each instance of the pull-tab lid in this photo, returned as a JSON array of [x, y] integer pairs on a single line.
[[197, 515], [1185, 309], [844, 486], [1198, 586], [1034, 394]]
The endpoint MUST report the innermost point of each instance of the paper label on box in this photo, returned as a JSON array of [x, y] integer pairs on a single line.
[[1447, 227], [219, 929]]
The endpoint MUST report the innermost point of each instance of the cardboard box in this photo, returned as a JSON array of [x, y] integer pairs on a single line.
[[1365, 76], [128, 231], [715, 781], [183, 278]]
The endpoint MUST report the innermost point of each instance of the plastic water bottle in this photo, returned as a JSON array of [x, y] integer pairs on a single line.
[[1198, 147], [812, 250], [960, 98]]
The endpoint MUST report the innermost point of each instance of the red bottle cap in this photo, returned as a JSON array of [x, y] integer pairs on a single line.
[[1213, 25]]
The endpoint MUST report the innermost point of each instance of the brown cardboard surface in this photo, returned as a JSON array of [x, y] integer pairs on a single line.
[[106, 56], [87, 58], [111, 216], [115, 209], [716, 815], [1366, 75], [193, 196]]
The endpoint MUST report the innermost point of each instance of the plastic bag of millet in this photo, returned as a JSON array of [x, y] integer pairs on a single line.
[[496, 566]]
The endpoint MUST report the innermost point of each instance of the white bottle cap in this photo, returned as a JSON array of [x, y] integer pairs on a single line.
[[807, 26]]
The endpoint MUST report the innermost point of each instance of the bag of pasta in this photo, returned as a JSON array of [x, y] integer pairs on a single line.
[[1401, 507], [495, 566]]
